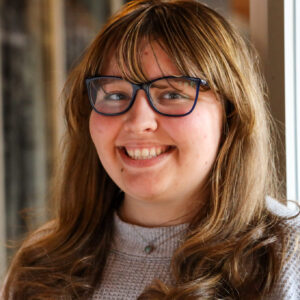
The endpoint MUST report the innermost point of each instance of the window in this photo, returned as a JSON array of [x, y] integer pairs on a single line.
[[292, 96]]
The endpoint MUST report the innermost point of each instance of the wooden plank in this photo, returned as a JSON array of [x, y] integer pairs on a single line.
[[57, 36], [2, 170], [267, 34], [115, 5], [54, 71]]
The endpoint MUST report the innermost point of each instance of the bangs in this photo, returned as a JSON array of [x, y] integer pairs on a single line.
[[169, 26], [198, 41]]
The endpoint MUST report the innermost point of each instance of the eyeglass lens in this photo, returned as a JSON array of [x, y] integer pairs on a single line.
[[173, 96]]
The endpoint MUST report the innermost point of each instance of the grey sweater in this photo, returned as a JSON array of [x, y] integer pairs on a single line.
[[129, 268]]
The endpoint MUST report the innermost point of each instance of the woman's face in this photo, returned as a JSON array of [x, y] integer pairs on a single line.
[[186, 147]]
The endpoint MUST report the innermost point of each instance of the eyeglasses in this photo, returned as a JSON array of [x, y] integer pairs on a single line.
[[170, 96]]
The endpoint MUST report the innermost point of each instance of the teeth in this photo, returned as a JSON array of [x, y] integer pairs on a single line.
[[152, 152], [145, 153], [137, 153], [130, 153]]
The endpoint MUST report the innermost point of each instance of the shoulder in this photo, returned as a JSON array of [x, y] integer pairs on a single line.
[[290, 214], [290, 221], [280, 209], [288, 284]]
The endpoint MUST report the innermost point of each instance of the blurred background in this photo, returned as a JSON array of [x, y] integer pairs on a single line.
[[40, 41]]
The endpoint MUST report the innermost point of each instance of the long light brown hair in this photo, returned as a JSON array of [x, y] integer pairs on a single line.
[[231, 251]]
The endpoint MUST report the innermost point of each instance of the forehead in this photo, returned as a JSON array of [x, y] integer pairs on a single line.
[[151, 60]]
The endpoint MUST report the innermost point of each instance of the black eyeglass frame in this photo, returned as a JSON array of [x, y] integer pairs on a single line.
[[146, 88]]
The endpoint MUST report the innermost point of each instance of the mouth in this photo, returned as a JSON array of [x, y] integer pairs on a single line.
[[145, 153]]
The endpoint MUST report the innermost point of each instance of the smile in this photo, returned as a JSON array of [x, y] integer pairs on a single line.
[[146, 153]]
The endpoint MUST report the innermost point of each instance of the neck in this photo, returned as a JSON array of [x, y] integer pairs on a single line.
[[149, 213]]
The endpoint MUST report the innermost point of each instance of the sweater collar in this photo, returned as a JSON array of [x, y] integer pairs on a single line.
[[133, 239]]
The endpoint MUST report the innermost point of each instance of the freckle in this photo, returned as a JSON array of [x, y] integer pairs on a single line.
[[122, 170], [146, 53]]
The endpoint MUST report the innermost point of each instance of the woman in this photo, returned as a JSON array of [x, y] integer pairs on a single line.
[[162, 193]]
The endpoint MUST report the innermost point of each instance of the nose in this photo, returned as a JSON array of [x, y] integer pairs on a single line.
[[141, 117]]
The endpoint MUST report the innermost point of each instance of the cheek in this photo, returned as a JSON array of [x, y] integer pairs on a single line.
[[102, 129], [209, 121], [97, 125], [204, 126], [102, 133], [199, 134]]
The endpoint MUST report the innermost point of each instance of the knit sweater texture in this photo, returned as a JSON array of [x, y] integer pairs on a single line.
[[129, 268]]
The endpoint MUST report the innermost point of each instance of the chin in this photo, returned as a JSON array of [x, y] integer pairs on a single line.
[[146, 195]]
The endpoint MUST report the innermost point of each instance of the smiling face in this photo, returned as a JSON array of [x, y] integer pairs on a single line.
[[157, 159]]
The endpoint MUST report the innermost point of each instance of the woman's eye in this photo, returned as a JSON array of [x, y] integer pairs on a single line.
[[174, 96], [115, 97]]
